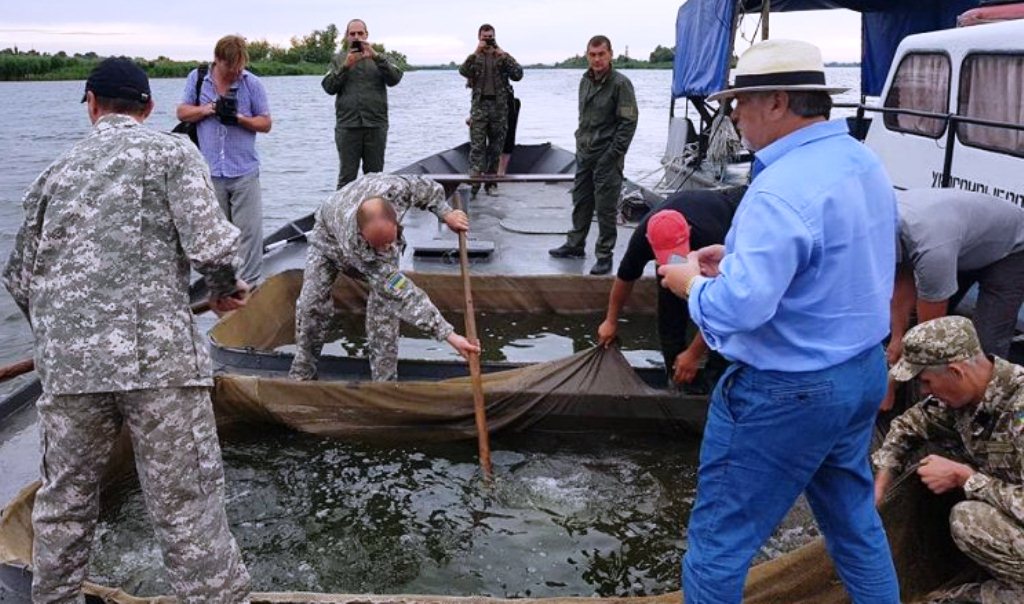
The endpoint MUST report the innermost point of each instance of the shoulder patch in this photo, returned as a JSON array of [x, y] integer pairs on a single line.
[[397, 283]]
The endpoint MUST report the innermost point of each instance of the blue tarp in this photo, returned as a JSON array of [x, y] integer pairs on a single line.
[[704, 35]]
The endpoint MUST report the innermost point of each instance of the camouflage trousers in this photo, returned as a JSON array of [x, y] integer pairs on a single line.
[[314, 317], [487, 129], [177, 457], [994, 541]]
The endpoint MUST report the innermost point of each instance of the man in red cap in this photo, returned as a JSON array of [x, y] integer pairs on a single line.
[[689, 219]]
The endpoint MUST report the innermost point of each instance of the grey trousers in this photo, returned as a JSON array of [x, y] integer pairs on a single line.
[[1000, 295], [177, 457], [242, 204], [359, 144]]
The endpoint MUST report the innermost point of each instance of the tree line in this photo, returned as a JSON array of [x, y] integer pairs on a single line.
[[306, 55]]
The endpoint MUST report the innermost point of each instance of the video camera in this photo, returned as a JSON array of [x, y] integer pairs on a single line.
[[227, 107]]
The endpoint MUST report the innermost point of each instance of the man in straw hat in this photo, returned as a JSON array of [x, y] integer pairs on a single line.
[[975, 406], [798, 297]]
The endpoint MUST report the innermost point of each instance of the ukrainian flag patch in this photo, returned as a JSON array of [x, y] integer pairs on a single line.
[[397, 283], [1018, 421]]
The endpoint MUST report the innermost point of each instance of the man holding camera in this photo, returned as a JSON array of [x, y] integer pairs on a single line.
[[230, 108], [359, 78], [487, 72]]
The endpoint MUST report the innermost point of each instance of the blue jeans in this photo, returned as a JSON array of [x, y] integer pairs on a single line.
[[771, 435]]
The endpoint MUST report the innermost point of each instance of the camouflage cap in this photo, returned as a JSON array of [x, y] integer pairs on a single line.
[[933, 343]]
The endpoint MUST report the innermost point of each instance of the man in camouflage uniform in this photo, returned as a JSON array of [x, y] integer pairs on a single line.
[[357, 231], [608, 117], [101, 270], [360, 79], [487, 72], [976, 410]]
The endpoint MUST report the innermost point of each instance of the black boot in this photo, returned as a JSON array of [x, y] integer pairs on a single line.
[[603, 266], [567, 251]]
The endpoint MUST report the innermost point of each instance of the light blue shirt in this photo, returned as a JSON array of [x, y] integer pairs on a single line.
[[808, 273], [230, 151]]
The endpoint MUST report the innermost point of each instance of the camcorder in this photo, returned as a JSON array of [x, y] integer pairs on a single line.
[[357, 46], [227, 107], [491, 42]]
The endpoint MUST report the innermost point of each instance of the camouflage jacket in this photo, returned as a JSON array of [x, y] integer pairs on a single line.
[[988, 436], [101, 265], [505, 68], [608, 117], [362, 93], [337, 236]]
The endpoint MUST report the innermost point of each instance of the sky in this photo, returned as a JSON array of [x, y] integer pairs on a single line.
[[426, 31]]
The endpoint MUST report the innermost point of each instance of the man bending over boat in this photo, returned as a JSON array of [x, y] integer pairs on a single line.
[[974, 406], [100, 268], [358, 229], [690, 219]]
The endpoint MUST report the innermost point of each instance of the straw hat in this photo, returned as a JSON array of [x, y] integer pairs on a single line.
[[779, 65]]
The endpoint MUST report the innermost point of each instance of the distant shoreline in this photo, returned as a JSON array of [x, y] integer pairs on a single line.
[[28, 67]]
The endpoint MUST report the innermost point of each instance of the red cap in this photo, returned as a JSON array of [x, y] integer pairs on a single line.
[[669, 234]]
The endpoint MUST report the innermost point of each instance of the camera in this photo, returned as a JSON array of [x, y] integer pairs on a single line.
[[227, 107], [491, 42], [357, 46]]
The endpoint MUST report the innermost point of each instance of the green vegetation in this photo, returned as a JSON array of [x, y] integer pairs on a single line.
[[660, 58], [307, 55]]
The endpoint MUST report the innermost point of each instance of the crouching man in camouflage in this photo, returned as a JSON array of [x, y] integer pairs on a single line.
[[101, 270], [975, 407], [357, 230]]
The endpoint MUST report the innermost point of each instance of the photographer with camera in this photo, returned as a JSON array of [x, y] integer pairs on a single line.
[[229, 107], [487, 72], [359, 78]]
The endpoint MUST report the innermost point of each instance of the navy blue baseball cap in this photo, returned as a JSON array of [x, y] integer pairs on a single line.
[[118, 78]]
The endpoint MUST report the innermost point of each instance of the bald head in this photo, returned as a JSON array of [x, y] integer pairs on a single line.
[[377, 222]]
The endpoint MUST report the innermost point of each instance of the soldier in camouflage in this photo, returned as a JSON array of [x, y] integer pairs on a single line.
[[359, 78], [100, 268], [357, 231], [487, 72], [608, 118], [975, 410]]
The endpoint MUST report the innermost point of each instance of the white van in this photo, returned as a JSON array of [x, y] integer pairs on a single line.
[[975, 73]]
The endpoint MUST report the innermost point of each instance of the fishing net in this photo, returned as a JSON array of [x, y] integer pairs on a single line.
[[268, 320]]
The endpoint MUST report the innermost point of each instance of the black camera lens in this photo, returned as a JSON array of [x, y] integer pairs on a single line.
[[357, 45], [491, 42]]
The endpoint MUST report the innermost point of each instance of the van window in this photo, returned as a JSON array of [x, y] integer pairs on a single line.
[[921, 83], [990, 89]]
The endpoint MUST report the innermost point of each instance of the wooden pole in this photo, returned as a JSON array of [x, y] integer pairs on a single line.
[[25, 365], [766, 11], [479, 408]]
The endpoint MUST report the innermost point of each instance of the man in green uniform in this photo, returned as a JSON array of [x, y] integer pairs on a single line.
[[101, 269], [608, 117], [487, 72], [359, 78], [976, 410]]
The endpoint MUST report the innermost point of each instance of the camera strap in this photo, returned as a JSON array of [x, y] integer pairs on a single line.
[[200, 76]]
